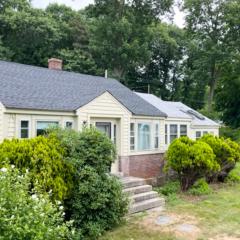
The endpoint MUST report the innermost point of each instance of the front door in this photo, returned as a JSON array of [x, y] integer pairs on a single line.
[[110, 129]]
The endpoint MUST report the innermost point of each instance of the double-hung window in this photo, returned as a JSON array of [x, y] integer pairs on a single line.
[[69, 125], [198, 134], [173, 132], [166, 134], [24, 129], [43, 125], [156, 139], [144, 136], [183, 130], [132, 136]]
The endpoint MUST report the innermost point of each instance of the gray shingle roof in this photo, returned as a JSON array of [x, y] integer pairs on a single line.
[[177, 110], [29, 87]]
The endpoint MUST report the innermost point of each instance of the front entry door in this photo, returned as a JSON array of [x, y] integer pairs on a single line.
[[110, 129]]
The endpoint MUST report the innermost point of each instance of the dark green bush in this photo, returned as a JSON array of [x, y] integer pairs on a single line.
[[233, 134], [97, 202], [234, 175], [44, 158], [200, 187], [191, 160], [169, 188], [25, 215], [227, 155]]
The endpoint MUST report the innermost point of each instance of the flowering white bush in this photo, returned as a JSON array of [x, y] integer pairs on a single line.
[[25, 215]]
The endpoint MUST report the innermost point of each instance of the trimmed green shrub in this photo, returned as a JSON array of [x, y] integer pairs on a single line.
[[28, 216], [234, 175], [227, 154], [169, 188], [44, 158], [200, 187], [233, 134], [191, 160], [97, 202]]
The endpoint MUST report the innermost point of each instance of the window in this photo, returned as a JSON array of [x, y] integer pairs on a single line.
[[166, 134], [183, 130], [205, 132], [198, 134], [115, 134], [132, 136], [24, 131], [43, 125], [156, 139], [144, 136], [69, 125], [173, 132]]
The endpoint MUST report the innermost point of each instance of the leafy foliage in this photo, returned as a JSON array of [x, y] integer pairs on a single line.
[[227, 154], [43, 157], [200, 187], [169, 188], [28, 216], [234, 175], [191, 160], [97, 202]]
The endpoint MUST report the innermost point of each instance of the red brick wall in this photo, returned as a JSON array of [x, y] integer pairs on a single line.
[[144, 166]]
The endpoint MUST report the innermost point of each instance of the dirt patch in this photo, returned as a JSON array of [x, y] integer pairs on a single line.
[[224, 237], [183, 226]]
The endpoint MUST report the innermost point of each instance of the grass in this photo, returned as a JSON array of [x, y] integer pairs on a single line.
[[217, 214]]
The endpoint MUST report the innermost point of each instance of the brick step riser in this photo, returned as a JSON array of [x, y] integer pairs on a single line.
[[143, 189]]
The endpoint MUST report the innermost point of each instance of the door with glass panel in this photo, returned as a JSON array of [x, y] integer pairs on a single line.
[[110, 129]]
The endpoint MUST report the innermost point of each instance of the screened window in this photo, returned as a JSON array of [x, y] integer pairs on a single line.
[[156, 139], [69, 124], [198, 134], [173, 132], [183, 130], [144, 136], [132, 136], [24, 131], [166, 134], [43, 125]]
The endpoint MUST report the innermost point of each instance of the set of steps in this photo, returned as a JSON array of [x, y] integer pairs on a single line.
[[141, 195]]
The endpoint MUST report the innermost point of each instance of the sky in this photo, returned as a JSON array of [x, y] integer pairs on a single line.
[[79, 4]]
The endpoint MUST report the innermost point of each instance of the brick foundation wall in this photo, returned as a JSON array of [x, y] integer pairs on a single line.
[[146, 166]]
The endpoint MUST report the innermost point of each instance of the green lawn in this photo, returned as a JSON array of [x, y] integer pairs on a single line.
[[216, 215]]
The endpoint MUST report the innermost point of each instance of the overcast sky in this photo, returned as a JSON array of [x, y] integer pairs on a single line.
[[78, 4]]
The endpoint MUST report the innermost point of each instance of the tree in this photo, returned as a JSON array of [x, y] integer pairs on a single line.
[[205, 25]]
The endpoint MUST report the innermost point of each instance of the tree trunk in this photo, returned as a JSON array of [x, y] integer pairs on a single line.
[[213, 82]]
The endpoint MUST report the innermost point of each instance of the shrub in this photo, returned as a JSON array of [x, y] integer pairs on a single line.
[[43, 157], [97, 202], [227, 154], [191, 160], [234, 175], [233, 134], [25, 216], [200, 187], [169, 188]]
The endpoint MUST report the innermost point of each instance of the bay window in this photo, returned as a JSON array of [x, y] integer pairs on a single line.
[[43, 125], [144, 136], [173, 132]]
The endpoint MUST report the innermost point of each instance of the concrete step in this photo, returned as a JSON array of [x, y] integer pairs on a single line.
[[146, 205], [130, 182], [143, 196], [138, 189]]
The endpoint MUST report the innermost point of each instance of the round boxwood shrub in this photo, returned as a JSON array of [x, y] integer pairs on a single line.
[[191, 160], [234, 175], [43, 157], [227, 155], [26, 215]]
